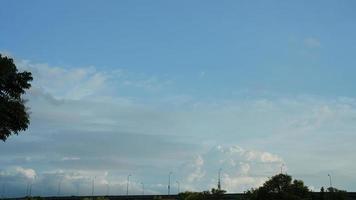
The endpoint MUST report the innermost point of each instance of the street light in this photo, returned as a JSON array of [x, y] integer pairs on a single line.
[[127, 184], [59, 186], [219, 179], [3, 187], [92, 187], [282, 168], [169, 182], [178, 186], [331, 185], [27, 187], [107, 189], [3, 191], [143, 188], [77, 186], [32, 182]]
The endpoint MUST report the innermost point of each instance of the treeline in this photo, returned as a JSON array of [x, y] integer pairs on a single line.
[[279, 187]]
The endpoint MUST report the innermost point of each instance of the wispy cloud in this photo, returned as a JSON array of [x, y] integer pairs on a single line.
[[312, 42]]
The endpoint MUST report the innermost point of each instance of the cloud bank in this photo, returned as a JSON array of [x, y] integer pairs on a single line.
[[88, 123]]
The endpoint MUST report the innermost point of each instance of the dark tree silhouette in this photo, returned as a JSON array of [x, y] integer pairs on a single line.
[[335, 194], [280, 187], [13, 113], [215, 194]]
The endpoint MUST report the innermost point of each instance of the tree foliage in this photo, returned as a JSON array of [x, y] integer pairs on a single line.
[[214, 194], [280, 187], [13, 113], [335, 194]]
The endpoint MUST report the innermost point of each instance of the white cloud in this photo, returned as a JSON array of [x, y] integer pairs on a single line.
[[70, 158], [26, 172], [64, 83], [198, 172], [18, 172], [150, 83], [84, 82], [80, 124], [240, 170], [268, 157]]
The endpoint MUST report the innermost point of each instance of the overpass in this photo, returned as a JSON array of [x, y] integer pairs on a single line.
[[232, 196]]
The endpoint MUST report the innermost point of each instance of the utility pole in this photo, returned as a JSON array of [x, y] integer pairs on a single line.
[[219, 179], [169, 183], [127, 184]]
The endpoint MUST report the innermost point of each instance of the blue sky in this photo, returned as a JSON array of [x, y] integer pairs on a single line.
[[148, 87], [249, 45]]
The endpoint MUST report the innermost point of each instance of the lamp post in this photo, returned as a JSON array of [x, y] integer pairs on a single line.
[[169, 182], [107, 189], [3, 187], [219, 179], [3, 191], [30, 194], [127, 184], [27, 187], [92, 187], [282, 168], [143, 188], [178, 184], [331, 185], [31, 183], [59, 187], [77, 186]]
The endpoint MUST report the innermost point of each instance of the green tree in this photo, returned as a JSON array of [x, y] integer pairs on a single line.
[[280, 187], [13, 113], [193, 195], [335, 194], [215, 194]]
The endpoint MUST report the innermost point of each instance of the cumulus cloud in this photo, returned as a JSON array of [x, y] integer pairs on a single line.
[[198, 173], [241, 169], [19, 172], [27, 173]]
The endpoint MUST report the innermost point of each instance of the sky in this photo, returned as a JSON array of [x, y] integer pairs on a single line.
[[145, 88]]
